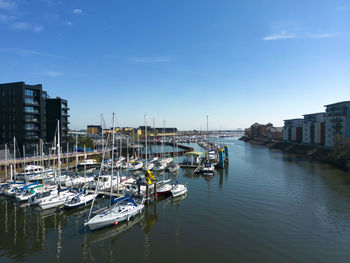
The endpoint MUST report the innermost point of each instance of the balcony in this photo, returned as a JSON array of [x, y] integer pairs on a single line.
[[336, 120]]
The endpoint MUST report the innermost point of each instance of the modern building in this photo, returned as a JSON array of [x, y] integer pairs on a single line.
[[293, 130], [57, 109], [23, 114], [27, 114], [314, 128], [337, 122], [257, 130]]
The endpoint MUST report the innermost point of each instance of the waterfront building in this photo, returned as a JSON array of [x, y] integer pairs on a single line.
[[27, 114], [267, 131], [293, 130], [94, 129], [23, 114], [337, 122], [57, 109], [314, 128], [157, 131]]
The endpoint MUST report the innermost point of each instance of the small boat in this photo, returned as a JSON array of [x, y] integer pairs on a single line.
[[160, 166], [42, 196], [212, 155], [208, 168], [164, 190], [173, 167], [178, 189], [123, 209], [34, 172], [28, 193], [136, 166], [89, 163], [58, 200], [148, 166], [79, 200]]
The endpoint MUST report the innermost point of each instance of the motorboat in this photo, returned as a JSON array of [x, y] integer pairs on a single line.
[[208, 168], [136, 165], [45, 194], [160, 166], [173, 167], [89, 163], [79, 200], [178, 190], [34, 172], [164, 190], [148, 166], [123, 209], [212, 155], [27, 193], [58, 200]]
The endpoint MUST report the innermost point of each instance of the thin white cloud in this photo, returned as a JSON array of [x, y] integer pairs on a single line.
[[6, 19], [150, 59], [38, 29], [299, 35], [320, 36], [7, 5], [280, 36], [77, 11], [68, 23], [20, 26], [53, 73], [25, 52]]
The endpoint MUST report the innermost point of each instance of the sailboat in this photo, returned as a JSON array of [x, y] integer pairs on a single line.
[[174, 166], [63, 194], [147, 165], [119, 210]]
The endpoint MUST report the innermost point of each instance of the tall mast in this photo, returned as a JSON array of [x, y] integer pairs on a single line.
[[112, 160], [67, 164], [146, 139], [207, 129], [76, 151], [84, 164], [14, 156], [6, 161], [58, 151], [24, 156]]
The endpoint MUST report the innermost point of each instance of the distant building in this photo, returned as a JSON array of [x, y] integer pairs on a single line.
[[337, 122], [94, 129], [23, 114], [57, 109], [314, 128], [267, 131], [157, 131], [293, 130]]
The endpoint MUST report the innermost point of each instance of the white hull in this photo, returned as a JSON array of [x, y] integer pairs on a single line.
[[178, 190]]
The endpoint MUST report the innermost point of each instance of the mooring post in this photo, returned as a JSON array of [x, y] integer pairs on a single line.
[[155, 190]]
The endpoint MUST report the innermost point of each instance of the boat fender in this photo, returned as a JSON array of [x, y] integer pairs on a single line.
[[115, 223]]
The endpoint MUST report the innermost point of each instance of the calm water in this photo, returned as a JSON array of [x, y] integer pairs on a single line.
[[265, 207]]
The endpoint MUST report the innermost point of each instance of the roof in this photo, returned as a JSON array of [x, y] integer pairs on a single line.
[[194, 153], [337, 103], [293, 119], [314, 113]]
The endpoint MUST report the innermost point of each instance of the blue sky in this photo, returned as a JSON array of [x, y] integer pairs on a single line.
[[237, 61]]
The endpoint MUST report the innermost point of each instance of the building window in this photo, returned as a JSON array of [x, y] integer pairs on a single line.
[[28, 109], [28, 92]]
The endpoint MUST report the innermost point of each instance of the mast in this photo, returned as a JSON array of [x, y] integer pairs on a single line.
[[146, 140], [84, 164], [67, 164], [76, 152], [112, 160], [24, 156], [14, 156], [6, 161], [58, 151], [207, 129]]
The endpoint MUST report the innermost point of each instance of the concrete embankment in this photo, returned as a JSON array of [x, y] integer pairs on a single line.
[[317, 153]]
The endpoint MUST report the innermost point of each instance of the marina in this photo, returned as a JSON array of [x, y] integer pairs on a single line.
[[258, 217]]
